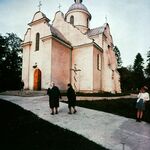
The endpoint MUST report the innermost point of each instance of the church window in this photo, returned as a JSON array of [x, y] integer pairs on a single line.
[[72, 20], [87, 23], [37, 42], [98, 61]]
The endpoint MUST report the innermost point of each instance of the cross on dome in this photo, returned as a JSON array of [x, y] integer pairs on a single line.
[[106, 19], [40, 4], [78, 1], [59, 7]]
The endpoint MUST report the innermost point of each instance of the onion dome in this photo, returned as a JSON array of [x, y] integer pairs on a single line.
[[79, 6]]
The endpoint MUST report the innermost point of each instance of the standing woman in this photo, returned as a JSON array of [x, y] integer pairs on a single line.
[[71, 95], [143, 97], [54, 95]]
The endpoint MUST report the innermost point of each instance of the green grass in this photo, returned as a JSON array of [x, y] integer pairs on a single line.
[[22, 130], [122, 107]]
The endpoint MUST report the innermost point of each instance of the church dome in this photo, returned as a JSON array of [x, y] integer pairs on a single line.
[[79, 16], [79, 6]]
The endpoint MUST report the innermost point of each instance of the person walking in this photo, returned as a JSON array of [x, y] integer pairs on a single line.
[[71, 95], [143, 97], [54, 95]]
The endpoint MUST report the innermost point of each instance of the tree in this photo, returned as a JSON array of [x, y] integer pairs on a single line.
[[138, 69], [126, 78], [10, 61], [147, 70], [118, 56]]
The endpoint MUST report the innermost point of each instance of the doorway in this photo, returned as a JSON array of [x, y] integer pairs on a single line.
[[37, 80]]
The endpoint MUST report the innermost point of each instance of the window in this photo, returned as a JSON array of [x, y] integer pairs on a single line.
[[87, 23], [98, 61], [37, 42], [72, 20]]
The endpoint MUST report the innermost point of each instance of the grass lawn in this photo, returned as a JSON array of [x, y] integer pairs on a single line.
[[22, 130], [122, 107]]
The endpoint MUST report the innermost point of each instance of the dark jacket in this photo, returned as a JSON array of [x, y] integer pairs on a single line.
[[54, 95], [71, 95]]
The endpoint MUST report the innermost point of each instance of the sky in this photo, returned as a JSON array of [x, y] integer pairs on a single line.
[[129, 20]]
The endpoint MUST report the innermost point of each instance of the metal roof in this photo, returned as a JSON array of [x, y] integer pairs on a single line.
[[95, 31]]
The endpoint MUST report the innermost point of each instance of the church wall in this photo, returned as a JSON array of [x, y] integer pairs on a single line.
[[117, 82], [83, 58], [43, 60], [80, 19], [61, 66], [42, 57], [70, 32], [98, 40], [25, 66], [97, 70], [107, 74], [46, 63], [107, 83]]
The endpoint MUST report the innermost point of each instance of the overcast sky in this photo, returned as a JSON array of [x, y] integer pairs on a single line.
[[129, 20]]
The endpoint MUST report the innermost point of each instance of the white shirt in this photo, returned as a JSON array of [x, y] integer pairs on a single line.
[[144, 96]]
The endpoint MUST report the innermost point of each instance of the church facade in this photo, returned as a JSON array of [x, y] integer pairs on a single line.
[[68, 51]]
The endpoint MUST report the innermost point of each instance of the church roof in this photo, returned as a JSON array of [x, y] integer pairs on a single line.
[[77, 6], [38, 16], [96, 31], [58, 34]]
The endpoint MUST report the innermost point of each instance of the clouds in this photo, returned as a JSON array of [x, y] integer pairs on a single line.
[[129, 20]]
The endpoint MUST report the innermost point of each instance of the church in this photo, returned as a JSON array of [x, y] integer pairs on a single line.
[[67, 50]]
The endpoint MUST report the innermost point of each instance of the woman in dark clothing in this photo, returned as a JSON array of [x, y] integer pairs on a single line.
[[54, 95], [71, 95]]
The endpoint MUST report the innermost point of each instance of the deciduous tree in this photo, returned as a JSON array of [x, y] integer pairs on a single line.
[[10, 61]]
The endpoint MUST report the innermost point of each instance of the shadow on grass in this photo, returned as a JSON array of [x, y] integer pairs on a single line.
[[22, 130], [122, 107]]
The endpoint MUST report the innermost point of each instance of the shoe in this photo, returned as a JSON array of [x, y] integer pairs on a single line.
[[69, 113], [138, 120], [56, 112], [74, 111], [52, 113]]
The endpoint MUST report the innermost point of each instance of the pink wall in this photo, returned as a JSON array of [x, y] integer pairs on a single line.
[[60, 64], [97, 74]]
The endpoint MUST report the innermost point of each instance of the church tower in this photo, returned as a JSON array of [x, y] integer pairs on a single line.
[[79, 16]]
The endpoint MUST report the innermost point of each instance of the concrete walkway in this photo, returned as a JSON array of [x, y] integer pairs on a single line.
[[111, 131]]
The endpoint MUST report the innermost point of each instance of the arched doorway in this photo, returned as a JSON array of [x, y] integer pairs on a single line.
[[37, 79]]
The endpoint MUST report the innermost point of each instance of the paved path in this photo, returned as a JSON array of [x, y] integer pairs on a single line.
[[111, 131]]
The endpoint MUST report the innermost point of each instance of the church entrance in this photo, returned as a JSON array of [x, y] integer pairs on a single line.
[[37, 79]]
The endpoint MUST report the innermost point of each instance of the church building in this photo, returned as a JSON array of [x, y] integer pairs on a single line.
[[67, 50]]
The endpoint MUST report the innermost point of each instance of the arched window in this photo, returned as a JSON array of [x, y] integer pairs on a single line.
[[37, 43], [99, 63], [87, 23], [72, 20]]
